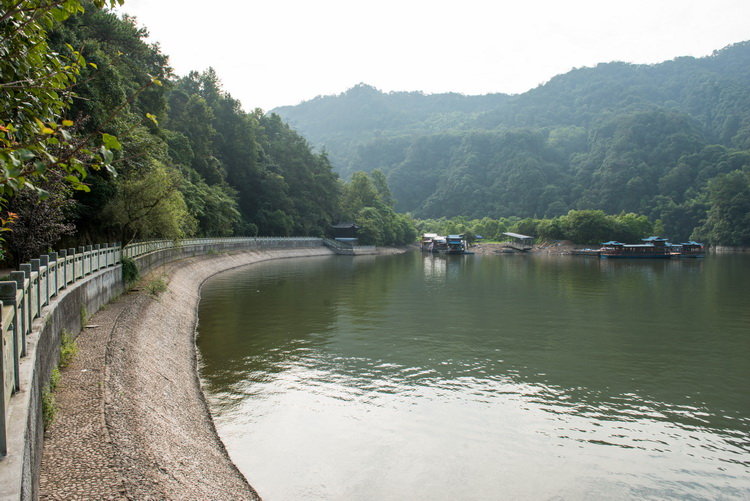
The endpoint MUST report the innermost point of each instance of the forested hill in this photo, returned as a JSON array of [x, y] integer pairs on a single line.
[[86, 103], [662, 140]]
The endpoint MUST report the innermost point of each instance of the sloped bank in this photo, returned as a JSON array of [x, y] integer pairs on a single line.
[[161, 439]]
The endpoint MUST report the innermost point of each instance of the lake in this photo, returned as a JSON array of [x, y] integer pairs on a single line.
[[426, 377]]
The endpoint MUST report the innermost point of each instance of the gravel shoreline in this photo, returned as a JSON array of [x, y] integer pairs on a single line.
[[132, 420]]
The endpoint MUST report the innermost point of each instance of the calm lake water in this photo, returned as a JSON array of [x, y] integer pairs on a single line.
[[483, 377]]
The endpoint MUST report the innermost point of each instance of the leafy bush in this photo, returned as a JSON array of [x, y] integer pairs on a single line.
[[68, 349], [49, 407], [156, 286], [129, 271]]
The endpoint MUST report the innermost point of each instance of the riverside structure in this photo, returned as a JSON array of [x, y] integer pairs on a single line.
[[55, 294]]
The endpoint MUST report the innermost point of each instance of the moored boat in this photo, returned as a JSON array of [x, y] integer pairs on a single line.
[[439, 245], [651, 248], [427, 241], [692, 249], [456, 244]]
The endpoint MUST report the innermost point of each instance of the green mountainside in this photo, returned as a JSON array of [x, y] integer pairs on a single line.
[[668, 140]]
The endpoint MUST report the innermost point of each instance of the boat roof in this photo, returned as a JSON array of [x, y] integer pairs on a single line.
[[516, 235], [613, 242]]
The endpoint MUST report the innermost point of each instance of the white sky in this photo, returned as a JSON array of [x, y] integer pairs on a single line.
[[280, 52]]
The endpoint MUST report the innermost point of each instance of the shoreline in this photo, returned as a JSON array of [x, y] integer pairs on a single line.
[[133, 421]]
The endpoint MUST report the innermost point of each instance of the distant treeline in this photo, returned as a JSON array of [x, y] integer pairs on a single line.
[[577, 226], [670, 141]]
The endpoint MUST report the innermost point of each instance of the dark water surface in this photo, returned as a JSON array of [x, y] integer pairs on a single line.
[[483, 377]]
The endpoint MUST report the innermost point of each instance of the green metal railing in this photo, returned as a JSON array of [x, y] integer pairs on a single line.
[[38, 282]]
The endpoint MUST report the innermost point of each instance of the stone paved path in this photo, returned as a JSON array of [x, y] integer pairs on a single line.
[[78, 460]]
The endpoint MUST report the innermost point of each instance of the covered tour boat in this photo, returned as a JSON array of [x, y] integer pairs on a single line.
[[651, 248]]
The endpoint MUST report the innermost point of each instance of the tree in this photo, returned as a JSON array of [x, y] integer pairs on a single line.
[[359, 193], [150, 205], [728, 221], [380, 183], [363, 202], [587, 226], [39, 221], [36, 90], [631, 227], [371, 226]]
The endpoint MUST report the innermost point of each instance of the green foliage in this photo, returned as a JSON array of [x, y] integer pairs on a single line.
[[156, 286], [54, 379], [68, 348], [189, 159], [368, 202], [129, 271], [578, 226], [49, 407], [39, 221], [149, 205], [728, 221], [84, 315], [34, 94], [615, 138]]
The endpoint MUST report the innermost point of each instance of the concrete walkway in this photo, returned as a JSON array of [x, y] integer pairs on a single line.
[[132, 422]]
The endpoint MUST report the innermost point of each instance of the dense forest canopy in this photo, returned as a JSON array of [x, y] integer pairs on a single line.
[[670, 141], [94, 106]]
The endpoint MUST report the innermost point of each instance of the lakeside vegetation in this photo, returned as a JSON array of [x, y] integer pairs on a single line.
[[669, 141], [578, 226]]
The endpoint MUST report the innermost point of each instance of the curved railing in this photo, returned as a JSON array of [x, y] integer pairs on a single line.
[[38, 282]]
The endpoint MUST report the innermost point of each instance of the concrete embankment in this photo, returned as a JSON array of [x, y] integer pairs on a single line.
[[132, 420]]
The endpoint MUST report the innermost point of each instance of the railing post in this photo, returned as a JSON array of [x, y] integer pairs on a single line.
[[90, 258], [97, 249], [23, 316], [81, 258], [44, 263], [72, 261], [63, 255], [8, 298], [35, 264], [53, 263], [26, 270]]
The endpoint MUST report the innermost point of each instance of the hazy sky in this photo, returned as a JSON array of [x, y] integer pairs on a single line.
[[279, 52]]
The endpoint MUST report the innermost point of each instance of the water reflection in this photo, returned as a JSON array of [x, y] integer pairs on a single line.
[[605, 379]]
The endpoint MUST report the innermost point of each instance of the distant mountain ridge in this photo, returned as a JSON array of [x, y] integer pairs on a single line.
[[615, 137]]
